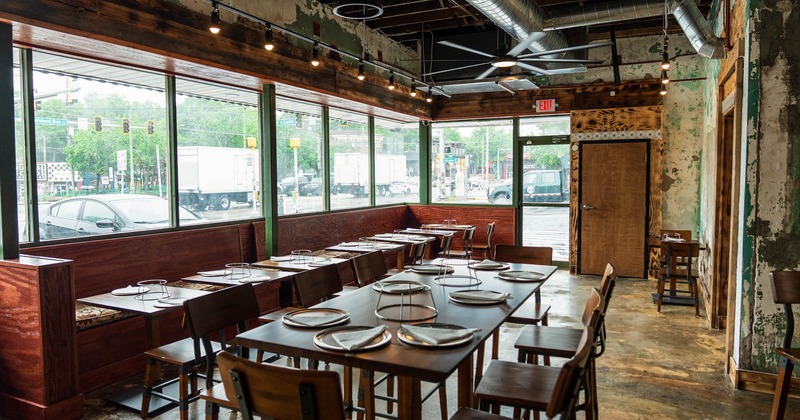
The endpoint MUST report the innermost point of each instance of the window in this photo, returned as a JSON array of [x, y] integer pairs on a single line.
[[19, 142], [94, 212], [93, 136], [218, 163], [349, 154], [396, 162], [299, 149], [470, 160]]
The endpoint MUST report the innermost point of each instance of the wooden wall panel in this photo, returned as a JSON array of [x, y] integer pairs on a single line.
[[37, 339], [621, 119], [479, 216], [656, 198], [105, 264], [322, 230]]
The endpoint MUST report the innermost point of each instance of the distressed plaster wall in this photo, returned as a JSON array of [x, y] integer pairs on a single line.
[[772, 207], [682, 118]]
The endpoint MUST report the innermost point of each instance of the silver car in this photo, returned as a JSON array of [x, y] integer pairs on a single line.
[[108, 213]]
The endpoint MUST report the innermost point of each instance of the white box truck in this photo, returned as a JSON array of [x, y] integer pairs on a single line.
[[351, 173], [215, 177]]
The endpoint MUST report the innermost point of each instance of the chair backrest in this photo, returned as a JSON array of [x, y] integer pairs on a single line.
[[786, 291], [489, 232], [214, 313], [607, 285], [316, 285], [572, 374], [417, 252], [469, 235], [279, 391], [447, 242], [678, 257], [540, 255], [593, 309], [369, 267], [607, 282]]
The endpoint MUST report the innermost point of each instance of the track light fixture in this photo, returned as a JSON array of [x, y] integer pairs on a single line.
[[361, 74], [413, 92], [214, 27], [429, 97], [664, 77], [663, 90], [315, 55], [391, 86], [665, 64], [269, 44]]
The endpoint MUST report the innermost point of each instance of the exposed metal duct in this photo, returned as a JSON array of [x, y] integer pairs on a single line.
[[523, 19], [686, 13]]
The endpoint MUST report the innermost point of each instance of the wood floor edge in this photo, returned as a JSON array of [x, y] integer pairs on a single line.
[[763, 382]]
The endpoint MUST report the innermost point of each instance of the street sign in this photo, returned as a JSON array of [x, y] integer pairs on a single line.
[[450, 159], [50, 121], [122, 159]]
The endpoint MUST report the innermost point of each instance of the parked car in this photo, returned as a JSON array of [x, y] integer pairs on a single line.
[[99, 214], [286, 186], [313, 187], [404, 187], [545, 185]]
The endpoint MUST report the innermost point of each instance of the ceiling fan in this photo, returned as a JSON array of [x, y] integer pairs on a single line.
[[506, 59]]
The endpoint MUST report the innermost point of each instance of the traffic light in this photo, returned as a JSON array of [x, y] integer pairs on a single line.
[[151, 127], [299, 121], [126, 126], [98, 124]]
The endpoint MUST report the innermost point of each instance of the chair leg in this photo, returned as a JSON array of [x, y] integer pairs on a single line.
[[591, 392], [696, 295], [183, 393], [479, 363], [660, 290], [149, 377], [347, 373], [782, 389], [443, 400], [212, 411], [545, 357], [390, 393], [496, 344]]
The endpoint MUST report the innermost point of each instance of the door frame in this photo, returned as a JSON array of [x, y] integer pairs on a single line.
[[579, 198]]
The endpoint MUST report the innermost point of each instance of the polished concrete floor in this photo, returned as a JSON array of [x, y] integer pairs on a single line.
[[657, 365]]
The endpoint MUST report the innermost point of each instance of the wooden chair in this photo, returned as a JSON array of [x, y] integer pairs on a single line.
[[416, 254], [786, 291], [215, 313], [486, 248], [445, 245], [369, 267], [310, 287], [280, 392], [540, 388], [677, 269], [546, 341], [466, 251]]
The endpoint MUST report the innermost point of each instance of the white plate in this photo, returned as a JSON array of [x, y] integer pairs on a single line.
[[399, 287], [212, 273], [402, 335], [288, 318], [521, 276], [432, 269], [282, 259], [350, 244], [502, 266], [254, 279], [130, 291], [324, 339], [468, 301]]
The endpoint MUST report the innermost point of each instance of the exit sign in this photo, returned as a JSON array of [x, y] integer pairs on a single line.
[[546, 105]]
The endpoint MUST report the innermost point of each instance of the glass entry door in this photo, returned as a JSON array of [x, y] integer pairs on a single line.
[[544, 186]]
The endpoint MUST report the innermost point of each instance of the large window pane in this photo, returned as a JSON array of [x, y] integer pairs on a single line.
[[100, 131], [396, 162], [544, 126], [19, 141], [299, 149], [218, 165], [349, 149], [471, 158]]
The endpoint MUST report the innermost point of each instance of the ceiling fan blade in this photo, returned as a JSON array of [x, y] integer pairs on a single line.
[[455, 69], [523, 45], [467, 49], [535, 69], [560, 60], [487, 73], [446, 59], [568, 49]]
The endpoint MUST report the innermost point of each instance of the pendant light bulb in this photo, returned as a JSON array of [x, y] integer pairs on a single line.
[[664, 77], [429, 98], [269, 44], [315, 56], [361, 75], [214, 27], [665, 64], [663, 90], [413, 92], [391, 86]]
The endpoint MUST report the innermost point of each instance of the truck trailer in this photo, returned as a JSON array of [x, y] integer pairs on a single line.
[[215, 177]]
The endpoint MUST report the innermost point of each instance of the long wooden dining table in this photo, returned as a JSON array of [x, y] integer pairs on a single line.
[[411, 364]]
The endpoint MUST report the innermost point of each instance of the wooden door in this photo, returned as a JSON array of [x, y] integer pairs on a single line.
[[613, 207]]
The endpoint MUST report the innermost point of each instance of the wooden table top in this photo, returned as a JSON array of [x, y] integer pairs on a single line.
[[136, 305], [399, 358], [425, 232], [297, 265], [442, 226], [269, 275], [364, 247], [400, 238]]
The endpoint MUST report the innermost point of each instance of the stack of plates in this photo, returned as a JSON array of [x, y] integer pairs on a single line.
[[521, 276]]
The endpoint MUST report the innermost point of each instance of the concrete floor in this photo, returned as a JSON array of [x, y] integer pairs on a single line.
[[667, 365]]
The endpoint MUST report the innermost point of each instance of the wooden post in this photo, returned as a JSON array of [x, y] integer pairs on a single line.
[[9, 232]]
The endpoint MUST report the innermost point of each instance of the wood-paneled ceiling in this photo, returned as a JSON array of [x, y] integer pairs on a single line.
[[410, 21]]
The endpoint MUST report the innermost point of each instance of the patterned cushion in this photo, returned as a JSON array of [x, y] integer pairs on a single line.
[[196, 286], [335, 254], [88, 316]]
